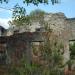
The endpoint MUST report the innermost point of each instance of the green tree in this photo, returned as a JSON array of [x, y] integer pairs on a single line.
[[19, 17], [21, 21], [37, 16], [35, 2], [37, 12], [18, 12]]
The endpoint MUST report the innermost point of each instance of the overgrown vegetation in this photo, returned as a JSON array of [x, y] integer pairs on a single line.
[[72, 50], [49, 59], [19, 17], [48, 62]]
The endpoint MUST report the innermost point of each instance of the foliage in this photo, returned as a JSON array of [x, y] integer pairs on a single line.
[[37, 16], [52, 51], [1, 1], [37, 12], [35, 2], [20, 19], [70, 63], [18, 12], [33, 69], [72, 50]]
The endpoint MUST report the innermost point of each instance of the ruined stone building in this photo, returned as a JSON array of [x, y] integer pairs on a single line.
[[14, 45], [64, 27]]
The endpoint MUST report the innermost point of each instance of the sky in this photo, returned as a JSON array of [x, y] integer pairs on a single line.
[[65, 6]]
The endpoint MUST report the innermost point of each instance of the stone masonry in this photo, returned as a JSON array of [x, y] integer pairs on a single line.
[[64, 27], [19, 43]]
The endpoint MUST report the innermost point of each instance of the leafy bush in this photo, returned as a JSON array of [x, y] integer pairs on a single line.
[[72, 50]]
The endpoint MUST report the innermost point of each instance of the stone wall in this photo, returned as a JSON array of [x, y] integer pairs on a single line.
[[58, 22], [64, 27], [19, 45]]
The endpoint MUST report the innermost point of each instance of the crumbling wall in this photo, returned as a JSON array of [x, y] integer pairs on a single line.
[[19, 45]]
